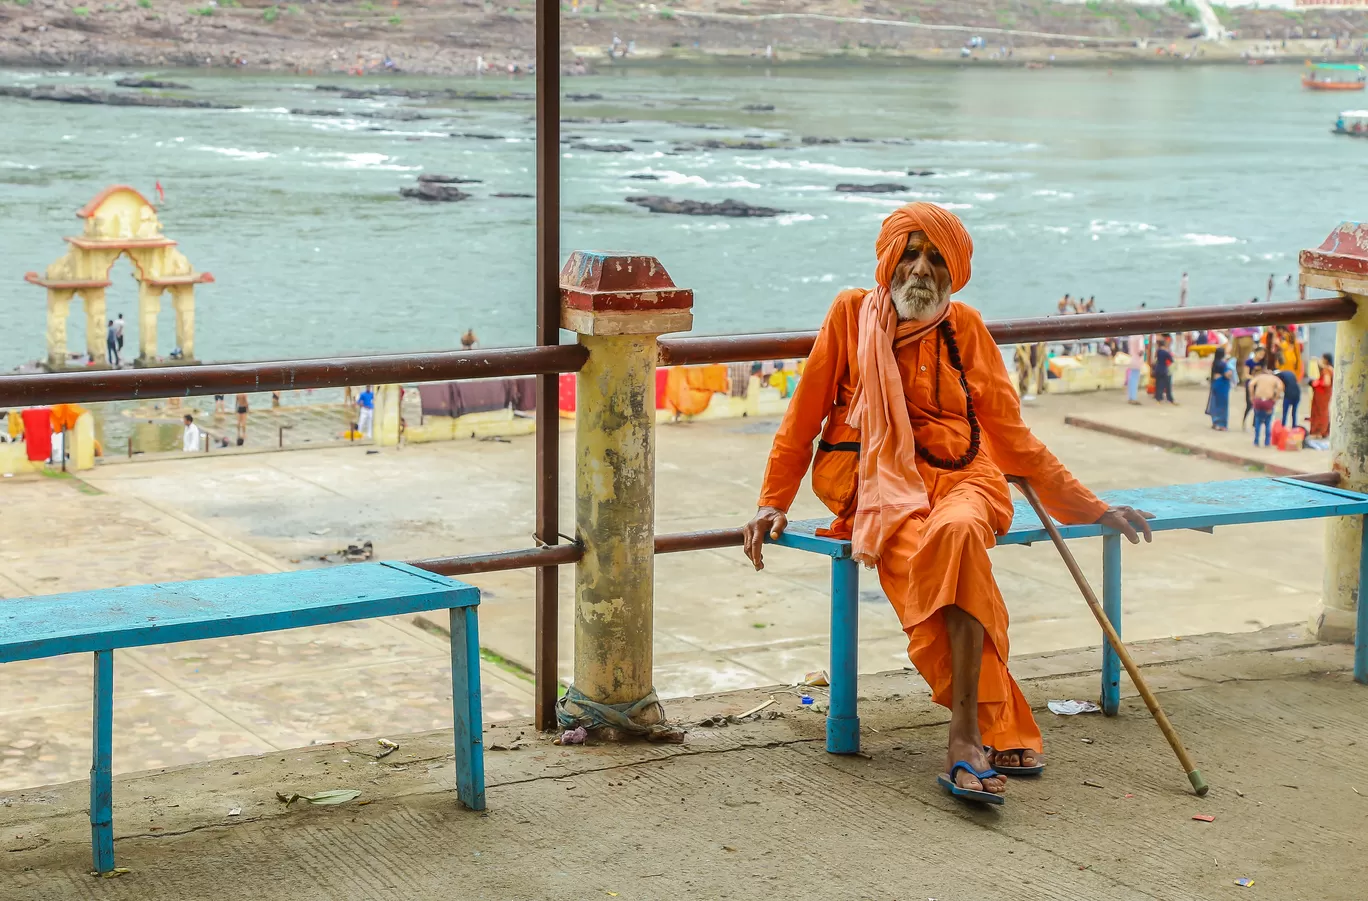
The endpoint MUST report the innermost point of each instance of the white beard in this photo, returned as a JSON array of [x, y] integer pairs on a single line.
[[916, 299]]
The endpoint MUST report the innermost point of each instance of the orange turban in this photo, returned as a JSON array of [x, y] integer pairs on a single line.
[[942, 227]]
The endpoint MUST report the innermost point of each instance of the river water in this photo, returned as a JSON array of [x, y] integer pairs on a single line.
[[1087, 181]]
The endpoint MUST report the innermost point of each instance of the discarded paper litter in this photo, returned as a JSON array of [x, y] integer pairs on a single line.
[[1073, 708], [324, 798]]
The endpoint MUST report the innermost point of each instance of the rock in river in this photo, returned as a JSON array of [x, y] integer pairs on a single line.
[[75, 94], [733, 208], [152, 83], [435, 179], [434, 191], [881, 188], [603, 148]]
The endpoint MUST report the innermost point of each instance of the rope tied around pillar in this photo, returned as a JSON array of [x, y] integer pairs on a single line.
[[575, 709]]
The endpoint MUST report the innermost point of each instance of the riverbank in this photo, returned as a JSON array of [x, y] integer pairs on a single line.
[[450, 38]]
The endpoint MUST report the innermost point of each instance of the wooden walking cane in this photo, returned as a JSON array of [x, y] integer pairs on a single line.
[[1199, 784]]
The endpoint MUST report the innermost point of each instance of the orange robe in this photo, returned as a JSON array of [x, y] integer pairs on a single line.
[[690, 389], [940, 557]]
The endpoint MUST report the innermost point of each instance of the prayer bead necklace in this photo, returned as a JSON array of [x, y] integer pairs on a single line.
[[947, 332]]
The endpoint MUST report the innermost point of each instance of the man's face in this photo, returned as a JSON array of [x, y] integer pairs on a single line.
[[921, 281]]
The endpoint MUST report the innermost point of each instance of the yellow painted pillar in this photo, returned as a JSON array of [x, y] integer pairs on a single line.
[[82, 448], [59, 304], [385, 426], [149, 305], [1341, 264], [97, 332], [618, 304], [183, 302]]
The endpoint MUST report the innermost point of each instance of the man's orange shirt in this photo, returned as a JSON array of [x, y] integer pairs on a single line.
[[942, 429]]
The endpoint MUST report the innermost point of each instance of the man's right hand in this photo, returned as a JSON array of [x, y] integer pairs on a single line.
[[768, 522]]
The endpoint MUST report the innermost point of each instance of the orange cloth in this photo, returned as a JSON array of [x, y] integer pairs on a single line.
[[64, 416], [939, 557], [942, 227], [889, 488], [689, 389]]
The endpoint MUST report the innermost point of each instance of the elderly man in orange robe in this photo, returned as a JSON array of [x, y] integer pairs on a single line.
[[919, 428]]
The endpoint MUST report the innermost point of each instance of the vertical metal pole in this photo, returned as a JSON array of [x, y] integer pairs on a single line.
[[1111, 605], [548, 332], [101, 787], [1361, 622], [843, 720]]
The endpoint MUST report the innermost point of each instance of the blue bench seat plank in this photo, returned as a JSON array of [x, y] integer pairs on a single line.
[[137, 615], [1201, 505]]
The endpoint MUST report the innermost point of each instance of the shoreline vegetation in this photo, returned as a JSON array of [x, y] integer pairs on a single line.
[[451, 38]]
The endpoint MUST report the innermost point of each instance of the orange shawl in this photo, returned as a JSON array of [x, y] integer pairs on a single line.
[[890, 487]]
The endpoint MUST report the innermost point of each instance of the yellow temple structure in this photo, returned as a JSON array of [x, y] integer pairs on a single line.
[[119, 221]]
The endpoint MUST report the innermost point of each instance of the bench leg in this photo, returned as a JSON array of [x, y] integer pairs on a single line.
[[1361, 623], [102, 748], [843, 721], [465, 703], [1111, 605]]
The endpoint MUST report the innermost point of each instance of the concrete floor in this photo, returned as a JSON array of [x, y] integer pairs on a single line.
[[759, 810], [719, 625]]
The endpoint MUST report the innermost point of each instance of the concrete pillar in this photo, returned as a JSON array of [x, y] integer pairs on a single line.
[[1341, 264], [183, 302], [59, 304], [618, 304], [385, 426], [81, 450], [149, 305], [97, 333]]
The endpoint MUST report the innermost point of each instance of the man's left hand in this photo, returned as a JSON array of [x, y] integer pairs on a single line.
[[1125, 519]]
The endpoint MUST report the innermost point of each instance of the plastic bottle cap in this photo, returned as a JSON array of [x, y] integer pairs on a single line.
[[807, 700]]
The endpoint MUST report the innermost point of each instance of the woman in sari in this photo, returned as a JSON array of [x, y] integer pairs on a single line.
[[1218, 399], [1320, 398]]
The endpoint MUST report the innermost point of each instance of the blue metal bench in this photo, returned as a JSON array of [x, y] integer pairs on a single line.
[[1202, 506], [103, 621]]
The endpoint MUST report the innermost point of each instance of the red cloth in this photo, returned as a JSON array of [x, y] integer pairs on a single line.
[[567, 392], [38, 432], [662, 380]]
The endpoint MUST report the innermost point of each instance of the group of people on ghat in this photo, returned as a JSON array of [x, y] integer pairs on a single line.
[[917, 427], [1272, 367]]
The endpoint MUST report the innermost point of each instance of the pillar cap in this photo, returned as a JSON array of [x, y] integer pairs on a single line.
[[1340, 263], [612, 293]]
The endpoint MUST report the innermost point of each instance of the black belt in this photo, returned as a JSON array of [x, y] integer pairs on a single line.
[[842, 446]]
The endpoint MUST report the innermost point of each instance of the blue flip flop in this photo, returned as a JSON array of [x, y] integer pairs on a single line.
[[1035, 770], [969, 794]]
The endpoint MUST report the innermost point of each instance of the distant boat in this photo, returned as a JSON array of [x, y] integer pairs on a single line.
[[1334, 77], [1352, 122]]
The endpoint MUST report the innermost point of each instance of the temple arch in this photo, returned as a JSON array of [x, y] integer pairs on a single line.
[[119, 221]]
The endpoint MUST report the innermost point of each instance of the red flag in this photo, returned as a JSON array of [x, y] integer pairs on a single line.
[[161, 195]]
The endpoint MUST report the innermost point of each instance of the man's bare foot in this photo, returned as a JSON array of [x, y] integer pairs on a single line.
[[971, 752], [1014, 757]]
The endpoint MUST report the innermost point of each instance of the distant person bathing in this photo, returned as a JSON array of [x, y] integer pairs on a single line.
[[242, 408]]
